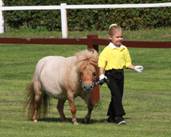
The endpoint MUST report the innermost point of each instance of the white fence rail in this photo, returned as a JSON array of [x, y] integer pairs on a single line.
[[63, 9]]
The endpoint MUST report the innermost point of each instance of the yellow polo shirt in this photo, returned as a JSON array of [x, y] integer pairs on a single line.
[[113, 57]]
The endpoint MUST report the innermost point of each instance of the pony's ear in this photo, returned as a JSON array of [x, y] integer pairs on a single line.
[[91, 50]]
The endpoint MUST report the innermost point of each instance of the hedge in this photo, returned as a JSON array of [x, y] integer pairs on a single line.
[[89, 19]]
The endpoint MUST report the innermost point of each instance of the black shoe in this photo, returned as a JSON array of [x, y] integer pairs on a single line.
[[120, 121], [110, 119]]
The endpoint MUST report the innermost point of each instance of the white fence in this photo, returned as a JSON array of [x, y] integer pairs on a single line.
[[63, 8]]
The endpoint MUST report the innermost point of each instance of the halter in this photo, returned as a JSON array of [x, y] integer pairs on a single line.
[[94, 84], [97, 82]]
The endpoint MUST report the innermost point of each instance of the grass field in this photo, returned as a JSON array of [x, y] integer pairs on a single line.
[[147, 97], [160, 34]]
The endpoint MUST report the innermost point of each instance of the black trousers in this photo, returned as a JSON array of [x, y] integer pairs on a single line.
[[116, 85]]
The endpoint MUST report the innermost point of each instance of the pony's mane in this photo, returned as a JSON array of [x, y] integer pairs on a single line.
[[89, 56]]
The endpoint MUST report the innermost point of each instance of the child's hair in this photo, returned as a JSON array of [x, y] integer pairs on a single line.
[[113, 28]]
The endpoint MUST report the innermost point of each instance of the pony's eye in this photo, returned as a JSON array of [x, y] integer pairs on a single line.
[[94, 74]]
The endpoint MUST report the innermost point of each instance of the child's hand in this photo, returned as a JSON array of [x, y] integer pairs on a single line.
[[139, 68], [102, 76], [102, 79]]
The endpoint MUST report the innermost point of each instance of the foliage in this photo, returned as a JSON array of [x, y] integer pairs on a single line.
[[89, 19]]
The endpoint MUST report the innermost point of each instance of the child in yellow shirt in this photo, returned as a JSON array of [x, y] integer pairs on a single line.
[[112, 61]]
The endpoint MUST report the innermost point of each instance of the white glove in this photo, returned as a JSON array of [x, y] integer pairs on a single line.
[[102, 76], [138, 68], [102, 79]]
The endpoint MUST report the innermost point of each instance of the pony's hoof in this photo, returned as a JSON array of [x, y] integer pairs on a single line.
[[86, 120], [35, 120], [63, 119], [75, 123]]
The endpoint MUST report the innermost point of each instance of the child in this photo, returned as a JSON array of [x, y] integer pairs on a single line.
[[112, 61]]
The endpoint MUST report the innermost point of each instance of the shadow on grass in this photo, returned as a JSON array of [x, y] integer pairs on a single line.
[[69, 120]]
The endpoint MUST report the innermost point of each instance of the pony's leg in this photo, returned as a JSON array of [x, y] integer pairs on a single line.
[[89, 106], [37, 101], [88, 115], [60, 108], [72, 107]]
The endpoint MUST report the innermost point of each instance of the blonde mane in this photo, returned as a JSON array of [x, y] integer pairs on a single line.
[[87, 57]]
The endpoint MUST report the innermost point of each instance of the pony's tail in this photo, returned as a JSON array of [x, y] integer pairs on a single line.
[[32, 104]]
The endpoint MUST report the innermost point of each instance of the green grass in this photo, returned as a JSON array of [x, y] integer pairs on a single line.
[[147, 97], [159, 34]]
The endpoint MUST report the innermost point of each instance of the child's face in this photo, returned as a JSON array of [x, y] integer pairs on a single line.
[[117, 38]]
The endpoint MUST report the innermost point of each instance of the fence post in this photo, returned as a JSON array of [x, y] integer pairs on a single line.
[[1, 18], [95, 94], [64, 23], [91, 44]]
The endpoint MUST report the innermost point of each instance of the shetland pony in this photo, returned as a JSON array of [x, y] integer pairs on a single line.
[[63, 78]]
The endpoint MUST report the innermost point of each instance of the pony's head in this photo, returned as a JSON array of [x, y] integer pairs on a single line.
[[88, 69]]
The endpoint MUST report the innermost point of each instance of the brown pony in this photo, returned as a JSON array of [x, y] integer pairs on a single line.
[[64, 79]]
